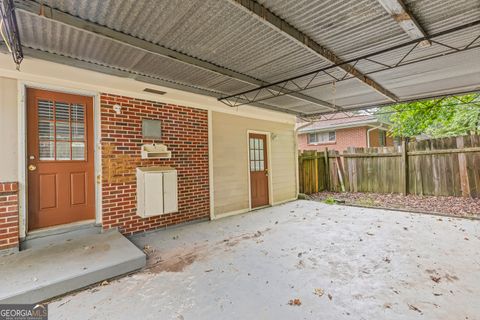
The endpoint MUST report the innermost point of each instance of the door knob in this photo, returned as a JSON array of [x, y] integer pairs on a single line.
[[32, 167]]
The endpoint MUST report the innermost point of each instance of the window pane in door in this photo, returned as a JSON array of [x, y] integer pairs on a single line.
[[46, 150], [62, 111], [63, 150], [45, 130], [77, 113], [78, 131], [45, 110], [78, 151], [62, 130]]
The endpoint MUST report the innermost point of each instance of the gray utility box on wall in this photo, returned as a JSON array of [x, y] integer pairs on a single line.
[[157, 191]]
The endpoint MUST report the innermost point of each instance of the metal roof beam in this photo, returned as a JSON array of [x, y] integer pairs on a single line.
[[33, 7], [265, 15], [405, 19]]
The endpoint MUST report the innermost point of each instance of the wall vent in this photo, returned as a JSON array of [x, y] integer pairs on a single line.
[[149, 90]]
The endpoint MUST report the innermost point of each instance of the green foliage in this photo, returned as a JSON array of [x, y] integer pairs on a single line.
[[330, 200], [451, 116]]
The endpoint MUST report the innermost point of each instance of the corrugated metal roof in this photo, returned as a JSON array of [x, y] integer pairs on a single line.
[[221, 33], [211, 30], [343, 26]]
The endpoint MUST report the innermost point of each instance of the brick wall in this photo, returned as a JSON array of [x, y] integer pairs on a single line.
[[350, 137], [8, 215], [184, 131]]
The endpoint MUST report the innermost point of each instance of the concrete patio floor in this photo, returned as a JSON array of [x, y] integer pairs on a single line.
[[368, 263]]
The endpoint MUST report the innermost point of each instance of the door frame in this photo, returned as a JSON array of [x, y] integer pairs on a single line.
[[22, 149], [268, 136]]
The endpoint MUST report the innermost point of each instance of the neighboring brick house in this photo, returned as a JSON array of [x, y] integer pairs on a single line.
[[342, 131]]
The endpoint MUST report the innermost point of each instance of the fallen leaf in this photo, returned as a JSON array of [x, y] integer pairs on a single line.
[[319, 292], [148, 249], [295, 302], [435, 279], [412, 307], [105, 283]]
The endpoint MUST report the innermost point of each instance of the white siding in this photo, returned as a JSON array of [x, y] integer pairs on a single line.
[[230, 166], [8, 130]]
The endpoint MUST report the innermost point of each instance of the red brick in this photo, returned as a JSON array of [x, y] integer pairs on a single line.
[[184, 131], [350, 137], [8, 215]]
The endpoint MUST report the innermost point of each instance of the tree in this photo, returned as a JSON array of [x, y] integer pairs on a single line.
[[450, 116]]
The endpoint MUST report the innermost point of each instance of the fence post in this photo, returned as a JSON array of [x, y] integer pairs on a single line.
[[300, 172], [404, 172], [327, 169], [463, 169], [316, 170]]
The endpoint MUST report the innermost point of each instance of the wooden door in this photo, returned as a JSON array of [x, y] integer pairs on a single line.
[[60, 158], [258, 170]]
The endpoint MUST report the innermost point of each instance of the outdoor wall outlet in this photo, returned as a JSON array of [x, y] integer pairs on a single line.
[[117, 108]]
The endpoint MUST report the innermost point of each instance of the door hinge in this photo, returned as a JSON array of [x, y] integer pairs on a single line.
[[99, 179]]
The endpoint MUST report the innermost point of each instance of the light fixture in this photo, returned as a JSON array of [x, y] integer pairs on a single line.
[[117, 108]]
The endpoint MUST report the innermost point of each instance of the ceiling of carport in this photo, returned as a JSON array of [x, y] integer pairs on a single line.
[[250, 52]]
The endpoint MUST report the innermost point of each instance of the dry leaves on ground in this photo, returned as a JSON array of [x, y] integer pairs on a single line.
[[455, 206], [295, 302]]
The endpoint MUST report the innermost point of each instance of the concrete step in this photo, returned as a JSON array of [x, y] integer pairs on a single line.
[[50, 236], [66, 264]]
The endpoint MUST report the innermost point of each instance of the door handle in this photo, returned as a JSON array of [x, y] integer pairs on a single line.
[[32, 167]]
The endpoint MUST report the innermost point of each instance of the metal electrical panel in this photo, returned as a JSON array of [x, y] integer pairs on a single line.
[[157, 191]]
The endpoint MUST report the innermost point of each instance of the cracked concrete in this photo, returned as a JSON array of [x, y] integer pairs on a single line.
[[339, 262]]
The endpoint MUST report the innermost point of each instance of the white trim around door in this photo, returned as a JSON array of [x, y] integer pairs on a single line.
[[22, 145]]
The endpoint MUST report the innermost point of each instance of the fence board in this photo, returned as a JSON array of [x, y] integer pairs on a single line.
[[447, 167]]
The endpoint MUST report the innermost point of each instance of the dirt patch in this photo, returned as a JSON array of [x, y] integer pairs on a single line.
[[233, 241], [454, 206], [176, 260]]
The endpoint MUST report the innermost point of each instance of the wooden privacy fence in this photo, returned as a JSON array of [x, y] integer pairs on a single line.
[[444, 167]]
